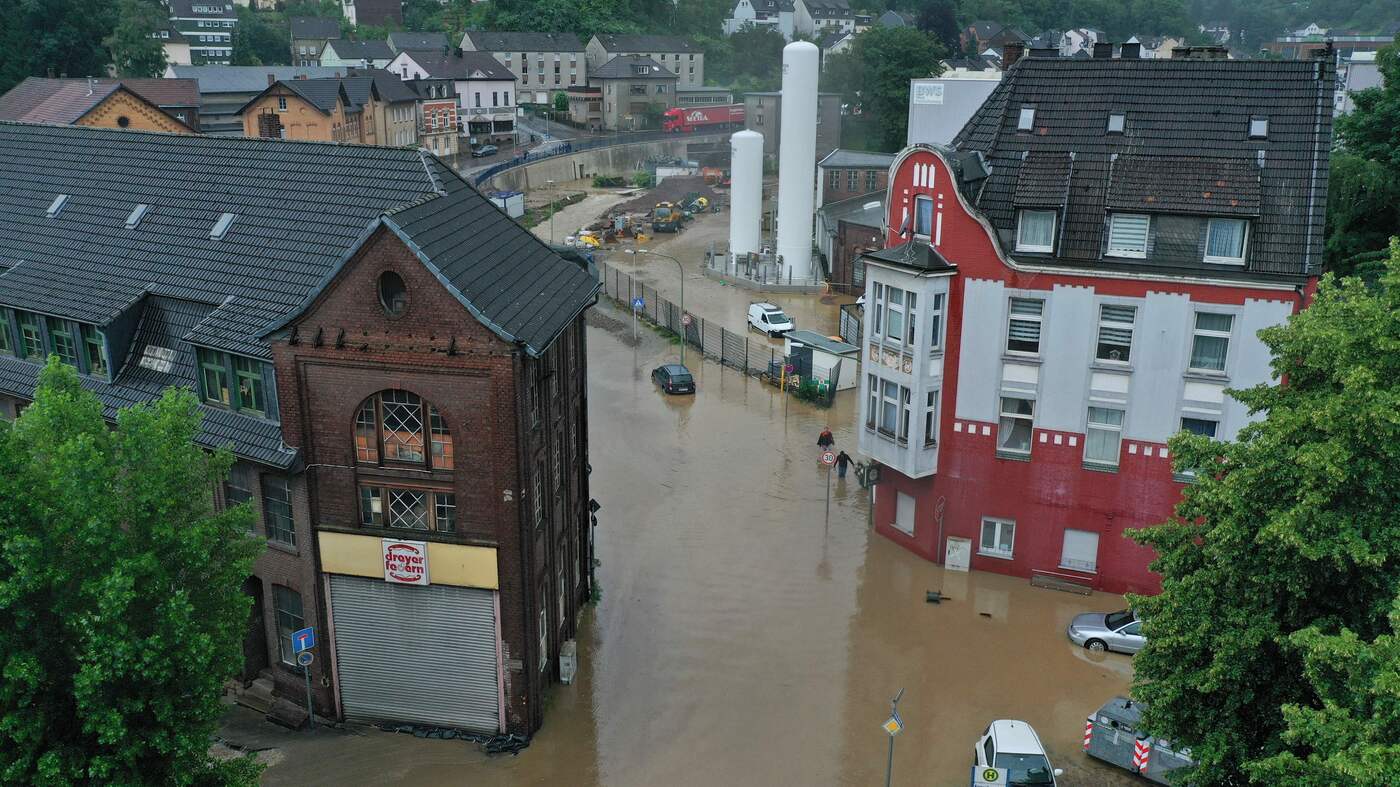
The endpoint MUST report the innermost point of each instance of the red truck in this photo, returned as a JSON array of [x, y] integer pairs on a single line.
[[703, 118]]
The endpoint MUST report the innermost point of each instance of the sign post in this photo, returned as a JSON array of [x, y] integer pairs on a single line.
[[893, 726], [638, 303], [828, 459], [303, 641]]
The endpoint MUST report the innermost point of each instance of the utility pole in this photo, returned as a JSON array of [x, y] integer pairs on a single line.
[[893, 725]]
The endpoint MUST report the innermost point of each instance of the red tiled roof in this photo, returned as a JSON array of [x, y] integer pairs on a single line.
[[64, 101]]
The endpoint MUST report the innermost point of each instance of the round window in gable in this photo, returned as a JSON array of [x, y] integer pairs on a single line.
[[123, 121], [393, 295]]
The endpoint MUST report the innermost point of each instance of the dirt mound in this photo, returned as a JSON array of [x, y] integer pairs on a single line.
[[670, 190]]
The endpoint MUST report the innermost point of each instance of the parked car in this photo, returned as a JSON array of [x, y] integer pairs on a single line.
[[1117, 631], [484, 151], [1014, 746], [769, 319], [674, 379]]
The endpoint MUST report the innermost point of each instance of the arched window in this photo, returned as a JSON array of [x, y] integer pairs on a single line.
[[397, 427]]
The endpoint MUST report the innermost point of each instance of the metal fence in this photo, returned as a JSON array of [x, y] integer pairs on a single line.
[[763, 269], [564, 147], [851, 327]]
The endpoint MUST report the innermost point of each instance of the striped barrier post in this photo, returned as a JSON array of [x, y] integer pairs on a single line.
[[1141, 750], [1088, 732]]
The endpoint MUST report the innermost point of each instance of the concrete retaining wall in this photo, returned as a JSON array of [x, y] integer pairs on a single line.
[[614, 160]]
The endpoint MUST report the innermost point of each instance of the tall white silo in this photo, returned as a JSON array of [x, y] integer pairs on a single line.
[[797, 159], [746, 192]]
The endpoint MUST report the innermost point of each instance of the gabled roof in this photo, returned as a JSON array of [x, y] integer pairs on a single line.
[[361, 50], [617, 42], [322, 93], [248, 79], [466, 65], [896, 19], [315, 27], [389, 87], [301, 209], [773, 6], [513, 41], [829, 6], [399, 40], [66, 101], [625, 67], [842, 157], [832, 39], [985, 29], [1185, 149]]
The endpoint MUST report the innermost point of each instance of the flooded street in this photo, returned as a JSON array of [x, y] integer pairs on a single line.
[[742, 639]]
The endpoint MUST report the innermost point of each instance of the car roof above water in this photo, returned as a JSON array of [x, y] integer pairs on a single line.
[[1015, 737]]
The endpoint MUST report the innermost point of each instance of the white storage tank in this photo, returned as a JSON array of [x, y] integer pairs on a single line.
[[746, 192], [797, 159]]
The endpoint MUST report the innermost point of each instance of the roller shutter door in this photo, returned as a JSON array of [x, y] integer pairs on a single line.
[[418, 654]]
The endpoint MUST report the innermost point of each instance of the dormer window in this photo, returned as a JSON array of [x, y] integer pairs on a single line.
[[236, 382], [1258, 128], [1026, 120], [1035, 231], [1115, 123], [1127, 235], [1225, 241]]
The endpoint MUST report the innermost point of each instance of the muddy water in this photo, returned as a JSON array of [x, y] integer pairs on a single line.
[[744, 639]]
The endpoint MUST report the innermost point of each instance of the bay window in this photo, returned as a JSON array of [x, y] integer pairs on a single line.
[[931, 419], [894, 314], [889, 407]]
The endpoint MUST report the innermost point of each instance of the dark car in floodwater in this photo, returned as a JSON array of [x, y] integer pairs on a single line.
[[674, 379]]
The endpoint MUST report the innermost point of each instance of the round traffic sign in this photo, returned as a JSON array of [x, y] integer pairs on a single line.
[[685, 319], [828, 458], [305, 658]]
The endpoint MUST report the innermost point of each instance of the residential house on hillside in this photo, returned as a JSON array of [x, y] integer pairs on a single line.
[[223, 90], [1080, 39], [543, 63], [345, 53], [383, 352], [207, 26], [895, 19], [634, 90], [843, 174], [439, 127], [815, 18], [680, 56], [834, 44], [763, 112], [1080, 276], [485, 89], [174, 45], [318, 110], [400, 40], [375, 13], [170, 105], [1156, 46], [776, 15], [310, 34]]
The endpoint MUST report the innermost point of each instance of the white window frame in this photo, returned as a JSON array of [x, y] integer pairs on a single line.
[[1003, 415], [935, 318], [906, 413], [1105, 323], [1198, 332], [1078, 565], [888, 387], [919, 201], [1004, 543], [1025, 121], [1122, 250], [872, 402], [1090, 425], [931, 419], [877, 303], [1258, 128], [1013, 317], [1244, 242], [544, 636], [891, 308], [1021, 245], [911, 311], [1116, 122]]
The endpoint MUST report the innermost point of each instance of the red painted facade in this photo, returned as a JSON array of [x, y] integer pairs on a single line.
[[1052, 491]]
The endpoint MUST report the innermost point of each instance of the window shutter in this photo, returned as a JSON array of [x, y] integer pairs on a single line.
[[1128, 235], [1081, 550]]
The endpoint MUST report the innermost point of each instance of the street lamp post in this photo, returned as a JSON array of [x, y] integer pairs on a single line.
[[680, 270], [552, 196]]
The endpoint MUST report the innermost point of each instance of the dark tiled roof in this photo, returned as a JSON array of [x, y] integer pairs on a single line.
[[615, 42], [315, 27], [399, 40], [390, 88], [301, 209], [463, 66], [324, 93], [184, 9], [249, 79], [511, 41], [773, 6], [832, 39], [624, 67], [163, 92], [914, 254], [1187, 124], [37, 100], [362, 50], [1043, 180], [829, 6], [842, 157], [1199, 185]]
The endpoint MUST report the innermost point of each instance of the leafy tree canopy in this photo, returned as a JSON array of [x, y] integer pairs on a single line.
[[134, 52], [1290, 528], [1363, 200], [62, 36], [120, 610], [261, 38], [874, 75]]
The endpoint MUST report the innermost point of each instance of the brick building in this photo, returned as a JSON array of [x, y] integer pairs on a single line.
[[375, 370], [1081, 277], [843, 174]]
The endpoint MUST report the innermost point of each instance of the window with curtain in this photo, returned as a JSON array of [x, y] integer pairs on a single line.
[[1204, 427], [1210, 344], [1225, 240], [1017, 425], [1115, 333], [1103, 436], [1127, 235], [1035, 231], [1023, 329]]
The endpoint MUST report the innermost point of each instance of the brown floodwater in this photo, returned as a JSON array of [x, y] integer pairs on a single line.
[[744, 639]]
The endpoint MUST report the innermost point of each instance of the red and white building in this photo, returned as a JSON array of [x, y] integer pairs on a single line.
[[1080, 277]]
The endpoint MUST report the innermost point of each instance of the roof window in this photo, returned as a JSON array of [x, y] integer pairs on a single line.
[[1258, 128], [1026, 120], [221, 227], [137, 213], [1115, 123], [56, 207], [157, 359]]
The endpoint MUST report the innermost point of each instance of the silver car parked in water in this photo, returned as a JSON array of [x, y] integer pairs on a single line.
[[1117, 631]]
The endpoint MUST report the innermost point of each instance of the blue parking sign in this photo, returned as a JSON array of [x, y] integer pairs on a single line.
[[305, 639]]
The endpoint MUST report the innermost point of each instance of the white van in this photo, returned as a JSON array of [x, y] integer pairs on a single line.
[[769, 319]]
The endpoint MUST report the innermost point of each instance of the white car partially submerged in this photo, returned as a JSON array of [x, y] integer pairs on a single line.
[[1014, 746]]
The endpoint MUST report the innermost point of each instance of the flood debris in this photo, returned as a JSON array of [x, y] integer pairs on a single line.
[[491, 744]]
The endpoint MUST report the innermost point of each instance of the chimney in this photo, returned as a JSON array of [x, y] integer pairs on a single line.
[[1011, 51], [271, 80], [1103, 50], [92, 85], [1131, 51]]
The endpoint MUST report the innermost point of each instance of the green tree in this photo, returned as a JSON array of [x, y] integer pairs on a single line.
[[1292, 526], [873, 78], [938, 18], [1354, 738], [262, 39], [1363, 208], [61, 36], [134, 52], [561, 101], [120, 610]]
